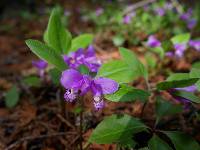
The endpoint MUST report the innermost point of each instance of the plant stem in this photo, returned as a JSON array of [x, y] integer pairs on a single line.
[[148, 85], [143, 107], [81, 122], [62, 104]]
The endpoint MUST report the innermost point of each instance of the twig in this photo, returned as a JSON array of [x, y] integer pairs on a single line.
[[98, 49], [85, 147], [75, 139], [33, 138], [65, 121], [137, 5]]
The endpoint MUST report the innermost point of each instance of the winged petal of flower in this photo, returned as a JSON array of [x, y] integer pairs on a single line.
[[108, 86], [40, 64], [71, 78], [195, 44]]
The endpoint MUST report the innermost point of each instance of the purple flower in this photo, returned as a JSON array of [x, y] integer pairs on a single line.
[[195, 44], [153, 42], [99, 11], [127, 18], [186, 16], [41, 66], [168, 6], [191, 23], [81, 57], [146, 8], [76, 83], [191, 88], [184, 101], [169, 54], [180, 49], [160, 11]]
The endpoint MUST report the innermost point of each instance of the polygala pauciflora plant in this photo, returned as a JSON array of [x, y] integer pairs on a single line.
[[82, 72]]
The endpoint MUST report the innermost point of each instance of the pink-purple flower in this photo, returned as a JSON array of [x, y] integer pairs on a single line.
[[168, 6], [191, 23], [195, 44], [186, 102], [180, 49], [153, 42], [127, 18], [191, 88], [160, 11], [186, 16], [83, 57], [41, 65], [99, 11], [75, 83]]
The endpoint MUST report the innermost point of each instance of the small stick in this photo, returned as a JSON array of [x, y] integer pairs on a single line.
[[34, 137], [137, 5], [65, 121]]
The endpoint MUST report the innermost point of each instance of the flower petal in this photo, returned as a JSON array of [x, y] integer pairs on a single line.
[[153, 42], [85, 85], [108, 86], [90, 51], [40, 64], [191, 88], [71, 79]]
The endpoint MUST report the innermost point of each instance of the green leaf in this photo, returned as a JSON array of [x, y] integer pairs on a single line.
[[197, 84], [45, 52], [164, 108], [155, 143], [151, 60], [118, 40], [182, 141], [128, 94], [133, 62], [188, 95], [45, 37], [57, 36], [196, 65], [177, 80], [167, 45], [12, 97], [77, 110], [115, 129], [158, 50], [117, 70], [32, 81], [81, 41], [144, 148], [84, 69], [195, 73], [127, 143], [178, 76], [55, 75], [181, 38]]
